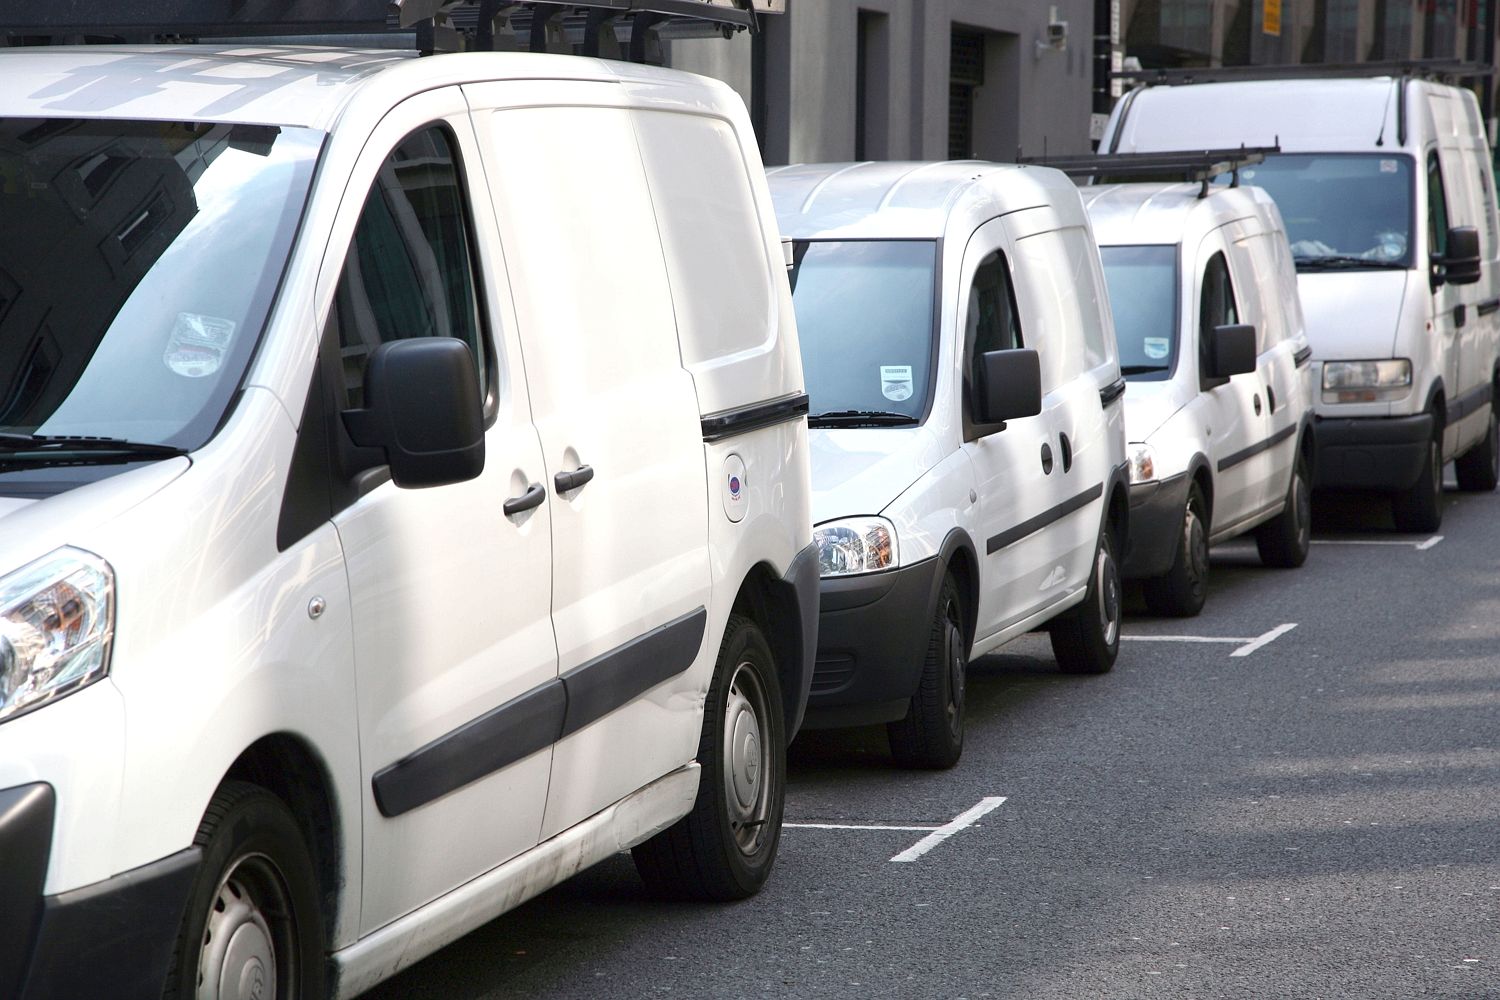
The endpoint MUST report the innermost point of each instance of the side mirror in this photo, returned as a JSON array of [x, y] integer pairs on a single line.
[[1007, 386], [1460, 265], [422, 408], [1231, 351]]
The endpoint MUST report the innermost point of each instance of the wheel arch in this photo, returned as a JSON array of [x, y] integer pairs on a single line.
[[962, 560], [1117, 508], [1201, 473], [781, 606]]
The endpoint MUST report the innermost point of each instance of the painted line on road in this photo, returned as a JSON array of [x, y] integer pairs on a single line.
[[964, 819], [1420, 546], [1262, 640], [858, 826]]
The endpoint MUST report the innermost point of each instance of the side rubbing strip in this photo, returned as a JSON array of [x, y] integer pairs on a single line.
[[1062, 510], [1112, 392], [500, 737], [1229, 461], [1303, 356], [613, 679], [741, 420]]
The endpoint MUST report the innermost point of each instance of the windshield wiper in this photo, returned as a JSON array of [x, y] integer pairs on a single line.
[[1128, 370], [860, 418], [1344, 262], [44, 448]]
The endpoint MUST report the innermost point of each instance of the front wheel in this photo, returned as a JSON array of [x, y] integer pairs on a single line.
[[1284, 540], [1086, 638], [1420, 508], [725, 848], [932, 733], [1478, 468], [1184, 588], [253, 929]]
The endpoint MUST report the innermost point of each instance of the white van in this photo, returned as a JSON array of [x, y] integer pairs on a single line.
[[968, 445], [1218, 412], [1389, 201], [404, 504]]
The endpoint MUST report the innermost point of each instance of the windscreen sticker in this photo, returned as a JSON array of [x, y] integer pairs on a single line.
[[895, 382], [1388, 166], [1157, 347], [198, 344]]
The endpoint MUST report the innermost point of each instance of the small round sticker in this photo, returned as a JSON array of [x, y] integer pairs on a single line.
[[895, 382], [197, 344], [1156, 347]]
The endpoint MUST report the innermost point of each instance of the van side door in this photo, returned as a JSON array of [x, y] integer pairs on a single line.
[[621, 435], [457, 669], [1450, 310], [1234, 409]]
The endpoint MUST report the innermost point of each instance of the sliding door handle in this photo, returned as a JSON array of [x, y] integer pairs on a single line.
[[533, 497], [565, 481]]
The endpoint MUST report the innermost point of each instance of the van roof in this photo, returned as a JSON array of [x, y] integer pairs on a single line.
[[256, 84], [1309, 115], [1159, 213], [909, 200]]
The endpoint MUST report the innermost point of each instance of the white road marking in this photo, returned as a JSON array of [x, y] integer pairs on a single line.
[[1269, 637], [1424, 546], [856, 826], [1187, 638], [1421, 546], [964, 819]]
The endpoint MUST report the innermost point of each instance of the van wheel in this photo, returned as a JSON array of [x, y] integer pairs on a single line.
[[1421, 508], [725, 848], [1184, 588], [932, 734], [1284, 540], [1479, 468], [1086, 639], [253, 929]]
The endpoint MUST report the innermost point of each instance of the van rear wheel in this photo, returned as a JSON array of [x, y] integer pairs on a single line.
[[1478, 468], [1086, 638], [1420, 508], [932, 733], [725, 848], [253, 929]]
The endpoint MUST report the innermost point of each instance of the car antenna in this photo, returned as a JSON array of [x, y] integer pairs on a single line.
[[1380, 139]]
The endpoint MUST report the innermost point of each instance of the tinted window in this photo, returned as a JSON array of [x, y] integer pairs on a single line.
[[865, 318], [1215, 304], [409, 271], [1437, 207], [1142, 284], [1344, 210], [992, 324]]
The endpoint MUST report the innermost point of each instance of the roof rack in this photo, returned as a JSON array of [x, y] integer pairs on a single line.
[[1428, 69], [1201, 165], [626, 29]]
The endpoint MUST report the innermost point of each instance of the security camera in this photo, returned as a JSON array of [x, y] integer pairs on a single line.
[[1057, 35]]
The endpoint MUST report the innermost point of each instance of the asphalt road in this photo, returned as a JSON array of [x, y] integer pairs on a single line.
[[1317, 818]]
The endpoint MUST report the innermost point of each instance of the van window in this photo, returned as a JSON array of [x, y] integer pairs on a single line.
[[1215, 304], [1056, 283], [992, 323], [1437, 207], [1143, 296], [409, 271]]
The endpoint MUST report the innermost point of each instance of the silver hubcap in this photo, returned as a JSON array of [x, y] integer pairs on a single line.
[[1108, 583], [1302, 507], [955, 678], [238, 957], [1195, 543], [747, 787]]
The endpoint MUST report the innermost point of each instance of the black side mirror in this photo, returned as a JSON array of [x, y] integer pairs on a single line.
[[422, 407], [1007, 386], [1231, 351], [1460, 265]]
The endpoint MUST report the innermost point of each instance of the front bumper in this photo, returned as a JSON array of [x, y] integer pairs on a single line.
[[112, 939], [1371, 453], [872, 640], [1155, 527]]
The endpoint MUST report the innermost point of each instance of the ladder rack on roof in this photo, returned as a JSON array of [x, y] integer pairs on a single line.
[[595, 26], [1447, 70], [1200, 165]]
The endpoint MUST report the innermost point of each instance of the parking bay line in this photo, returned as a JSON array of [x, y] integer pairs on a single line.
[[935, 834], [1246, 645], [1420, 546]]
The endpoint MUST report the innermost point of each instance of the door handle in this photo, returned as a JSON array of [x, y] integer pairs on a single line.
[[1046, 458], [1256, 400], [1270, 399], [1067, 451], [533, 497], [565, 481]]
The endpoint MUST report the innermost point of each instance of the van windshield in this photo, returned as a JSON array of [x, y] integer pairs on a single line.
[[138, 266], [1348, 211], [865, 318], [1143, 297]]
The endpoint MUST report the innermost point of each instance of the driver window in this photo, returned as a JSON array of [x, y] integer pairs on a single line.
[[991, 324], [1437, 207], [1215, 304]]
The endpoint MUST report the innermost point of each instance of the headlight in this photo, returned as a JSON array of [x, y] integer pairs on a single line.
[[1366, 381], [855, 545], [1142, 463], [56, 620]]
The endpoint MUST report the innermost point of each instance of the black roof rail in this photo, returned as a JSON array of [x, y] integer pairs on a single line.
[[1446, 70], [1201, 165], [596, 26]]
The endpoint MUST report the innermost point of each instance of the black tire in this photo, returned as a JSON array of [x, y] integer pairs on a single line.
[[1420, 509], [932, 733], [1284, 540], [1086, 638], [1184, 588], [257, 888], [726, 847], [1478, 468]]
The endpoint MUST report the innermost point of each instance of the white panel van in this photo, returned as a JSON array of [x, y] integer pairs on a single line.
[[404, 503], [968, 444], [1387, 192]]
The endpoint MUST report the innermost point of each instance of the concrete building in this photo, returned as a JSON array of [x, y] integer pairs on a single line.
[[911, 79]]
